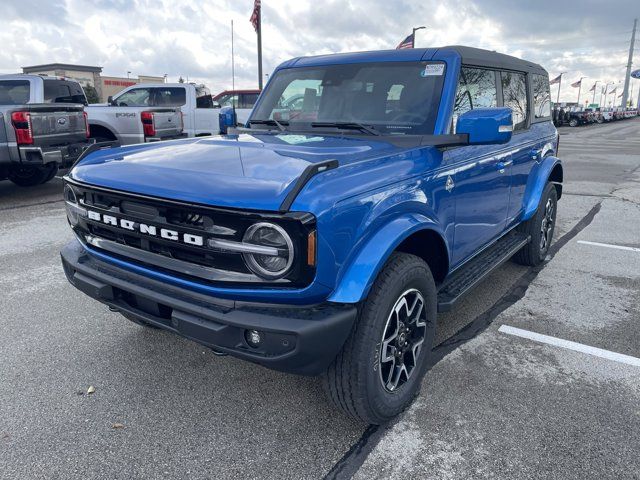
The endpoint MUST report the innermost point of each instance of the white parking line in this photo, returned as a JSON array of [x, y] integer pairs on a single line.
[[578, 347], [607, 245]]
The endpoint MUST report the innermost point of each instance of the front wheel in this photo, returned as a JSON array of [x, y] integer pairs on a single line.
[[573, 122], [379, 370], [540, 228]]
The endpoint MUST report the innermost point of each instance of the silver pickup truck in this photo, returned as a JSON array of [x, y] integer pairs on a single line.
[[42, 127], [132, 123]]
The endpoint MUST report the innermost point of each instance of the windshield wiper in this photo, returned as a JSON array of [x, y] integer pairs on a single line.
[[270, 122], [349, 126]]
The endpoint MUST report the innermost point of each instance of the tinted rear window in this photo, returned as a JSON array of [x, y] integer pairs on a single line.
[[56, 91], [14, 92]]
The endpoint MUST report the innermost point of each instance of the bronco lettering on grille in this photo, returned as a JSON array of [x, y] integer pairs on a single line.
[[151, 230]]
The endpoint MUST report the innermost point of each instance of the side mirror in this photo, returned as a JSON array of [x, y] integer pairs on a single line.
[[216, 105], [227, 119], [486, 126], [110, 101]]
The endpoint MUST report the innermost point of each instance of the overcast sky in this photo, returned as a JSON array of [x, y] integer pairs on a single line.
[[193, 39]]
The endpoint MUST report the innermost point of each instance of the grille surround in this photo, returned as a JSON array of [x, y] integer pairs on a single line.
[[193, 219]]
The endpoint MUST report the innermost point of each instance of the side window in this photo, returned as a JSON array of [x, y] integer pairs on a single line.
[[169, 97], [205, 101], [248, 100], [137, 97], [541, 96], [63, 92], [228, 100], [476, 89], [514, 92]]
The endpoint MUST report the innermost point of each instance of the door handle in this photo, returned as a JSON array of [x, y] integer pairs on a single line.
[[535, 154], [503, 165]]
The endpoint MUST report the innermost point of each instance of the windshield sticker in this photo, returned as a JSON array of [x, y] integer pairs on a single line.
[[296, 139], [433, 70]]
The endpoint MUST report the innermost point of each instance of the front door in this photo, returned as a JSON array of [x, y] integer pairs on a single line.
[[480, 185]]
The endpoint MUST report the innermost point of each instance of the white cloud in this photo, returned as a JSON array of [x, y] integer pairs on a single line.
[[192, 39]]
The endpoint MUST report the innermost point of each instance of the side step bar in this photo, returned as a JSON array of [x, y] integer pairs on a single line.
[[469, 275]]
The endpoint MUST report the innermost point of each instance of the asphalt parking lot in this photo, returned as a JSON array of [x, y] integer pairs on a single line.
[[495, 405]]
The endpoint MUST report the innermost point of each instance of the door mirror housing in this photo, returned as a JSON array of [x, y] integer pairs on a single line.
[[486, 126], [227, 119], [110, 101]]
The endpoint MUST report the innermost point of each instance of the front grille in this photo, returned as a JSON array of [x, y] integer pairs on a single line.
[[186, 219]]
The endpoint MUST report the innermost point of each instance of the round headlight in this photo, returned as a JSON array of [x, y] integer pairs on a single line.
[[71, 202], [70, 195], [278, 256]]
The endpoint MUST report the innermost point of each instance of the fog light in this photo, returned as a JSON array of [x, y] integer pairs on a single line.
[[253, 337]]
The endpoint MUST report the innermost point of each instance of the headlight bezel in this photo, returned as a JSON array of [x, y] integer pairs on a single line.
[[250, 258]]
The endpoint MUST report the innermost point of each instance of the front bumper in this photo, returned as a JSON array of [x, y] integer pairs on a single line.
[[302, 340]]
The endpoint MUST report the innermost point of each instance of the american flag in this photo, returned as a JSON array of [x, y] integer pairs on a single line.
[[255, 16], [556, 80], [406, 43], [577, 84]]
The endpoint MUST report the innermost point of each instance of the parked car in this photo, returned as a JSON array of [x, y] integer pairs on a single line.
[[42, 127], [328, 245], [242, 100], [138, 114], [578, 117], [606, 114]]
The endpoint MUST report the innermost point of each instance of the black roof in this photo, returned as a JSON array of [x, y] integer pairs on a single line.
[[492, 59]]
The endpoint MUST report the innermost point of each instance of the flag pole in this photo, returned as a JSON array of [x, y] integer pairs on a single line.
[[260, 48], [233, 68], [559, 86]]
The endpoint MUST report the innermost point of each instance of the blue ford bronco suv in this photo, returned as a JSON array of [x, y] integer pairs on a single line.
[[324, 236]]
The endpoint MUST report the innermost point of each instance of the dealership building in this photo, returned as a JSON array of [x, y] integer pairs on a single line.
[[88, 75]]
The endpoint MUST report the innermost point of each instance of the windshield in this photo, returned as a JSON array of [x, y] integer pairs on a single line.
[[14, 92], [392, 97]]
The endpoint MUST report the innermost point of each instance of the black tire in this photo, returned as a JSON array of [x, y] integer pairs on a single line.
[[137, 320], [573, 122], [355, 381], [28, 175], [52, 173], [536, 250]]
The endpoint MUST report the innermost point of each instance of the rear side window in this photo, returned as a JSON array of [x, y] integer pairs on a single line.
[[248, 100], [476, 89], [541, 96], [56, 91], [514, 92], [14, 92], [169, 97]]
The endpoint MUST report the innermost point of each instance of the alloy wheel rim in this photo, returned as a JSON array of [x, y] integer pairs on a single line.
[[546, 226], [402, 340]]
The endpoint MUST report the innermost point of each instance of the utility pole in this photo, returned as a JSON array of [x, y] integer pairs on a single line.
[[233, 69], [627, 78]]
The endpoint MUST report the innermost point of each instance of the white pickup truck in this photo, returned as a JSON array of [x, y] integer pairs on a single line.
[[199, 109], [132, 123]]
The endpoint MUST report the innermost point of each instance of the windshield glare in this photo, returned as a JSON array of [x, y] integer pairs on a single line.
[[393, 97]]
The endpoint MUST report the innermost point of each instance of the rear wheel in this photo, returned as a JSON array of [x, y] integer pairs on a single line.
[[379, 370], [29, 175], [573, 122], [540, 228]]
